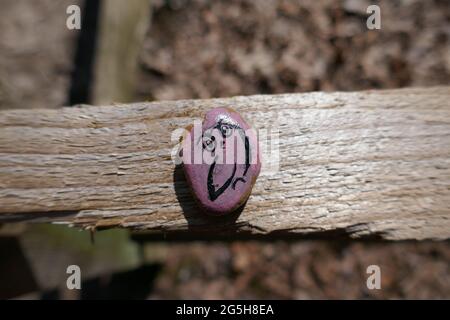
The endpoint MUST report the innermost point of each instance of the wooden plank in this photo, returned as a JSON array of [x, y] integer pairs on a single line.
[[371, 164]]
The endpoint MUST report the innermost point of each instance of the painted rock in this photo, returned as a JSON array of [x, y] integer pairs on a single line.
[[221, 160]]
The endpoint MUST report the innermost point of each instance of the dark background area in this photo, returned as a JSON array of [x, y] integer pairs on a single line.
[[204, 49]]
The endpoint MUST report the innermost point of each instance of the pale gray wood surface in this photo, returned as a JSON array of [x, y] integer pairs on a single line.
[[371, 164]]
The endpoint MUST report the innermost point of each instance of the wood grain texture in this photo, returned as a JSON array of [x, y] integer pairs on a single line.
[[373, 164]]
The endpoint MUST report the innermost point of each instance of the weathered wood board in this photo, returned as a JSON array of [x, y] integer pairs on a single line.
[[373, 164]]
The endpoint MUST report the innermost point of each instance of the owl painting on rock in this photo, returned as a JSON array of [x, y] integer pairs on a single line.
[[230, 164]]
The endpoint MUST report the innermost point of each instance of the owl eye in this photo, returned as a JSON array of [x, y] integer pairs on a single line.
[[226, 130], [209, 143]]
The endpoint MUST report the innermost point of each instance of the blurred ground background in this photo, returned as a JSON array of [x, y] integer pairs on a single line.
[[204, 49]]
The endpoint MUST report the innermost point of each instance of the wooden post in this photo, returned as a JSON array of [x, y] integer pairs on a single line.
[[122, 31], [373, 164]]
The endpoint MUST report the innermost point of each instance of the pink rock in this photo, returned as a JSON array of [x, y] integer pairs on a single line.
[[221, 176]]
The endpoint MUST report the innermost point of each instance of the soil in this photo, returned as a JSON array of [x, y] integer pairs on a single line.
[[303, 270], [203, 49]]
